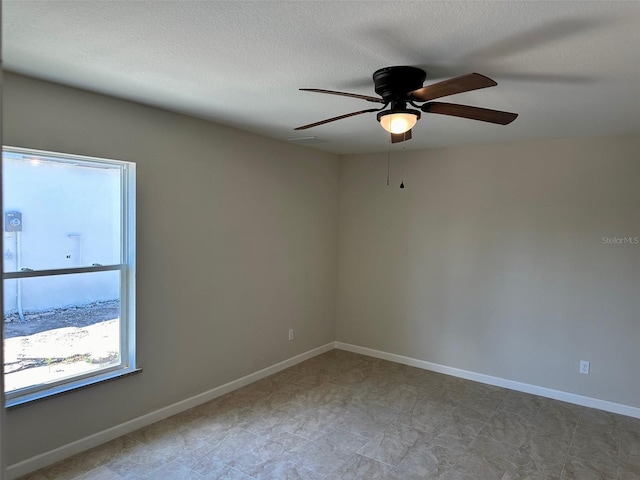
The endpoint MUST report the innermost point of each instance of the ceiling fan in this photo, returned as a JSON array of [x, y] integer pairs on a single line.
[[399, 86]]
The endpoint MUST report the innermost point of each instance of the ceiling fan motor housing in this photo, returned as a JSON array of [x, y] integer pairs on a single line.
[[394, 83]]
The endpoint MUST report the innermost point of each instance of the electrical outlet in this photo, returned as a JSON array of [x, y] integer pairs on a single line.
[[291, 334], [584, 367]]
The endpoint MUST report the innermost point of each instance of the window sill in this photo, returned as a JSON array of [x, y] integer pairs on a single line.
[[23, 400]]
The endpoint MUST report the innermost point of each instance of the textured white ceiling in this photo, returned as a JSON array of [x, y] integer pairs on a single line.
[[568, 68]]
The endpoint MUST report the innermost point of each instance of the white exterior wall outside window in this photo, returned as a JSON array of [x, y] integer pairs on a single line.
[[68, 271]]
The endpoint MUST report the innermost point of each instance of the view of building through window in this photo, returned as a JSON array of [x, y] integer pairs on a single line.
[[66, 268]]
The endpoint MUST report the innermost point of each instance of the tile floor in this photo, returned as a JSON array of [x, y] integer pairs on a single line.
[[347, 416]]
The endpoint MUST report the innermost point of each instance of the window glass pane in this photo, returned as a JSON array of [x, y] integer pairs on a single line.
[[56, 327], [60, 213]]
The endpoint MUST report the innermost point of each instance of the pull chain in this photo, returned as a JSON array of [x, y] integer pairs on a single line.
[[402, 166], [388, 161]]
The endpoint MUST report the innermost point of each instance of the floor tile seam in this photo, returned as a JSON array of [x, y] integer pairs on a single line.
[[235, 470], [468, 447], [566, 457], [408, 424], [481, 428], [393, 467], [617, 430], [590, 460], [591, 457], [289, 462], [101, 465], [410, 444], [116, 473], [352, 433], [616, 446], [157, 470], [619, 455], [493, 413], [184, 464], [519, 413], [486, 422], [333, 470]]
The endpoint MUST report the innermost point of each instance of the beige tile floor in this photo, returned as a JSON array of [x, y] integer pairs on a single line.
[[347, 416]]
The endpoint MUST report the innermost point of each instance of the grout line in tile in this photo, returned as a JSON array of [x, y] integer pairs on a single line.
[[566, 457], [474, 438], [619, 453]]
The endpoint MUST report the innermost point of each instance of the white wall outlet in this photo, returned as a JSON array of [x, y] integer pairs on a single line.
[[584, 367], [290, 334]]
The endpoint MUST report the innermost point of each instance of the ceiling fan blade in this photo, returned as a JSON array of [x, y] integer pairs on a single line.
[[346, 115], [400, 137], [464, 83], [345, 94], [466, 111]]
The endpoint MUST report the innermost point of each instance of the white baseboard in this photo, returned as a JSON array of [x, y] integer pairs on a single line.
[[497, 381], [65, 451]]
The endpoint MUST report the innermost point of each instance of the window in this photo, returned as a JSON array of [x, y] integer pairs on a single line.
[[68, 272]]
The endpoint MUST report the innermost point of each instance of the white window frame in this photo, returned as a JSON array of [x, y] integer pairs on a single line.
[[126, 267]]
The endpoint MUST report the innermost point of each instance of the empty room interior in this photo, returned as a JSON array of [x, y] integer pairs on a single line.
[[318, 298]]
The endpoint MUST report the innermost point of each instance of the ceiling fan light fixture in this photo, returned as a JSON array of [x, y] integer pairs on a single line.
[[398, 121]]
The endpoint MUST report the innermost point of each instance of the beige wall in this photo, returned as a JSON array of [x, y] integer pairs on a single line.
[[491, 260], [237, 240]]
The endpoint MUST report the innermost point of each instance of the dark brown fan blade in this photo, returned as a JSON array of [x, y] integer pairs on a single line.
[[466, 111], [400, 137], [346, 115], [345, 94], [464, 83]]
